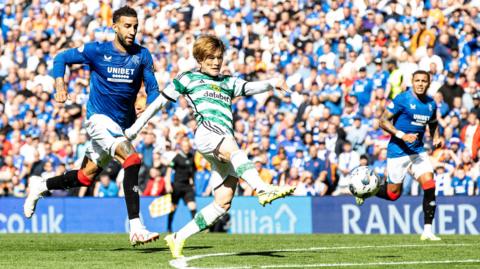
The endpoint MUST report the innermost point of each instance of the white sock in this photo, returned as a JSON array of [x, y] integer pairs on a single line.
[[246, 170], [202, 220], [135, 224], [427, 229]]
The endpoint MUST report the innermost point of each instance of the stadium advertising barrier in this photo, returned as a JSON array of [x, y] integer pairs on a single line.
[[108, 215], [454, 215]]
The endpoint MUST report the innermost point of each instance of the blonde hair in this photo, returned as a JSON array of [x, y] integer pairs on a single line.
[[207, 45]]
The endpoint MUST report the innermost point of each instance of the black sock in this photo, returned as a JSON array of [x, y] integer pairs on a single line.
[[170, 220], [429, 205], [193, 212], [130, 188], [382, 192], [66, 181]]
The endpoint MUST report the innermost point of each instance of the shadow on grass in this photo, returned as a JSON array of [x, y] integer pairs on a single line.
[[278, 254], [159, 249], [388, 256], [275, 254]]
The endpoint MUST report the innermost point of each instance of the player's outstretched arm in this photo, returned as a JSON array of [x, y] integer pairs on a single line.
[[387, 125], [170, 93], [256, 87], [151, 111], [155, 100]]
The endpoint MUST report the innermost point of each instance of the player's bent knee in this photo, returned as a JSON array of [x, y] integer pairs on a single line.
[[226, 206], [219, 153], [224, 203], [84, 179], [131, 160], [226, 148], [123, 147], [224, 200]]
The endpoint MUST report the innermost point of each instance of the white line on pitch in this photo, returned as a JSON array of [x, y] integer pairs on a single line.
[[366, 264], [182, 263]]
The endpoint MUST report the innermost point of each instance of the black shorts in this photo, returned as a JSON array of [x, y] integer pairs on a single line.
[[184, 192]]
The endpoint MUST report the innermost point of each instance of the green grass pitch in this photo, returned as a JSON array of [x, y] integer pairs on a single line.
[[240, 251]]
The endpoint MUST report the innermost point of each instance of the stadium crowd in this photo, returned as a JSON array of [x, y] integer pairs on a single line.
[[343, 60]]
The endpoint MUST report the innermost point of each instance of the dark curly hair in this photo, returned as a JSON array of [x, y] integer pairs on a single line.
[[124, 11]]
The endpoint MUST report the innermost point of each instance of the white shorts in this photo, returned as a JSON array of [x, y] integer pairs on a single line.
[[105, 135], [206, 142], [417, 165]]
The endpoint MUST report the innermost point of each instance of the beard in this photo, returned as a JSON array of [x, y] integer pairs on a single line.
[[122, 40]]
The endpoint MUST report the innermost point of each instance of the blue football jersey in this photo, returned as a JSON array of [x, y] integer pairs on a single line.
[[411, 115], [380, 79], [115, 80], [461, 186], [362, 89]]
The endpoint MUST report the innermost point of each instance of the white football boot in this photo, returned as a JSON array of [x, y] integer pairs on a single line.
[[142, 236], [37, 188], [429, 237]]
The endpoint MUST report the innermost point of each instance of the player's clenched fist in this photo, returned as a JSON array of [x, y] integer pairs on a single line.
[[410, 138], [61, 94]]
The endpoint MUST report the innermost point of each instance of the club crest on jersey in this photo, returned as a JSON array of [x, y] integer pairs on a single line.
[[413, 106], [430, 107], [135, 59], [107, 58], [215, 87]]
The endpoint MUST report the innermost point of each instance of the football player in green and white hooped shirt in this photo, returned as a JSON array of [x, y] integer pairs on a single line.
[[210, 96]]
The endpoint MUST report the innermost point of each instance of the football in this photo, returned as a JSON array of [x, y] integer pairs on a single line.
[[364, 182]]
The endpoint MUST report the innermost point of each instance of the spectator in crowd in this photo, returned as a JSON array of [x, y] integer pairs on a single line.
[[422, 38], [470, 135], [264, 173], [347, 160], [7, 172], [357, 133], [146, 148], [315, 165], [202, 175], [309, 187], [396, 80], [105, 187], [461, 183], [362, 88], [450, 90], [156, 184], [443, 181]]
